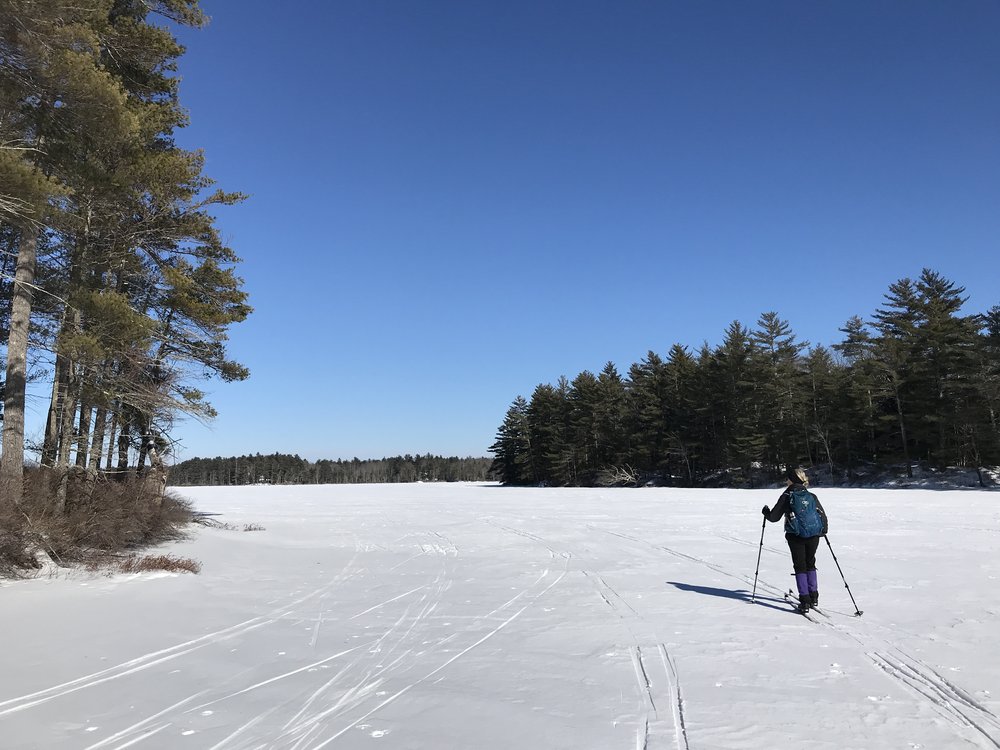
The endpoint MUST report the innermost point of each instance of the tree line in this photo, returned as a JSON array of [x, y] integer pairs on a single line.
[[117, 289], [919, 381], [288, 469]]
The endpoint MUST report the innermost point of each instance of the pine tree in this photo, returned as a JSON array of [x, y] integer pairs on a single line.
[[609, 418], [584, 433], [512, 449], [648, 393], [683, 435], [988, 381], [823, 414], [550, 450], [63, 103], [858, 395], [893, 352], [732, 373], [945, 371], [779, 392], [146, 286]]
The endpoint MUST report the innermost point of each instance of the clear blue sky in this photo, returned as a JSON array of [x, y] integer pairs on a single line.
[[455, 201]]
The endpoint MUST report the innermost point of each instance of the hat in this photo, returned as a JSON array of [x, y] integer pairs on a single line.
[[796, 476]]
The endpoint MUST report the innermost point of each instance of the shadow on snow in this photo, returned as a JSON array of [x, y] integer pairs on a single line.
[[739, 594]]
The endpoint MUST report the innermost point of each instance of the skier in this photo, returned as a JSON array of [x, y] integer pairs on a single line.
[[805, 523]]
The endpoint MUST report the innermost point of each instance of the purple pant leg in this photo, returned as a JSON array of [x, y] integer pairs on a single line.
[[810, 581], [802, 584]]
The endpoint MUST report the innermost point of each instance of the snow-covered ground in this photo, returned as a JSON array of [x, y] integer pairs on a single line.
[[474, 616]]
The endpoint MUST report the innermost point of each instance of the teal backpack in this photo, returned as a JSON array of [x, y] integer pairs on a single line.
[[804, 519]]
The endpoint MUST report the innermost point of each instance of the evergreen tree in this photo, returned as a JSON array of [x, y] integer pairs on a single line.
[[893, 352], [858, 395], [547, 435], [823, 409], [145, 287], [989, 379], [512, 449], [609, 418], [584, 434], [922, 381], [944, 373], [732, 373], [648, 393], [683, 436], [63, 105], [779, 393]]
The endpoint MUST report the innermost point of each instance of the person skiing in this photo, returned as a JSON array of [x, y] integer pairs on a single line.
[[805, 523]]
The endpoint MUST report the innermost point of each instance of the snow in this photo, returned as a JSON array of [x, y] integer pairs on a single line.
[[475, 616]]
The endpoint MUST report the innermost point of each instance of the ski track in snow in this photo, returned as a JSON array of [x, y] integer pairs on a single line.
[[146, 661], [974, 722], [352, 690], [651, 732], [343, 687]]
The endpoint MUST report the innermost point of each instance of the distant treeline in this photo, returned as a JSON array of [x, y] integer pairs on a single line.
[[286, 469], [918, 382]]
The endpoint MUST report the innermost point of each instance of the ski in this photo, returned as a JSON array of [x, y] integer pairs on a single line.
[[792, 598]]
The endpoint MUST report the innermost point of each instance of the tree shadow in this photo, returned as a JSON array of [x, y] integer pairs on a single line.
[[740, 594]]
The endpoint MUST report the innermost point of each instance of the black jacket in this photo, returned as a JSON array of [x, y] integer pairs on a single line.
[[781, 509]]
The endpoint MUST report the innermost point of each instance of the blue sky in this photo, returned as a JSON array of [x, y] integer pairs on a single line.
[[452, 202]]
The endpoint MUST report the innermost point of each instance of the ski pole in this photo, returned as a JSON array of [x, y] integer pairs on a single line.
[[763, 525], [857, 612]]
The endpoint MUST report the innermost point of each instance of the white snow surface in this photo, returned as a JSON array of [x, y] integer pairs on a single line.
[[475, 616]]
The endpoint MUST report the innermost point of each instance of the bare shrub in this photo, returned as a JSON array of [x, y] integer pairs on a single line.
[[213, 524], [102, 516], [15, 557], [225, 526], [619, 476]]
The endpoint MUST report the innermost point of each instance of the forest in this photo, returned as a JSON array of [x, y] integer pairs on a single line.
[[285, 469], [918, 383], [116, 288]]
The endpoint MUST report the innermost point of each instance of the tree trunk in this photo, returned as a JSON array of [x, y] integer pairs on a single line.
[[83, 432], [146, 440], [66, 422], [112, 436], [123, 441], [902, 430], [158, 470], [12, 459], [97, 444], [50, 444]]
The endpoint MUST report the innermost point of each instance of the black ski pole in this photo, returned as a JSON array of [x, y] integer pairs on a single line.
[[763, 525], [857, 612]]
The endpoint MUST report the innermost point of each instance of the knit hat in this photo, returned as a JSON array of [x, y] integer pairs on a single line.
[[795, 475]]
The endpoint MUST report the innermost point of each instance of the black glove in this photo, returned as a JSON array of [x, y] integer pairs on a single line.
[[765, 511]]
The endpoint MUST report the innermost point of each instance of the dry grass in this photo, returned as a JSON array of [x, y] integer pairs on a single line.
[[253, 527], [148, 563]]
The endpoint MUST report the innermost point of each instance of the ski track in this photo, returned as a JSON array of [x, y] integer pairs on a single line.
[[317, 713], [948, 700], [139, 725], [155, 658], [973, 721], [651, 728], [354, 688]]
